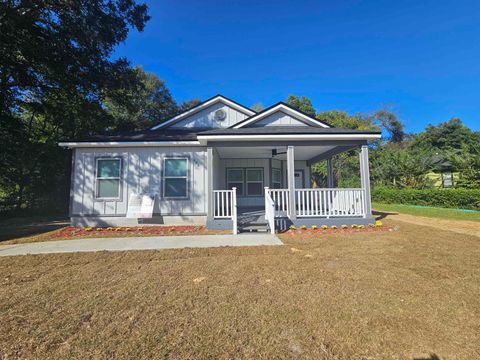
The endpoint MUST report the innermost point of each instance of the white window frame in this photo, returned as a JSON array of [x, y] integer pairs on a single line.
[[119, 178], [262, 182], [186, 177], [280, 177], [238, 182]]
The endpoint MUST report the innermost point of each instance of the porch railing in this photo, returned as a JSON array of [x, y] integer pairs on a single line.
[[330, 202], [225, 205], [280, 201], [269, 210]]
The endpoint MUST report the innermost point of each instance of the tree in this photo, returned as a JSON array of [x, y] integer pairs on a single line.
[[146, 103], [258, 107], [188, 104], [392, 125], [303, 104], [55, 71]]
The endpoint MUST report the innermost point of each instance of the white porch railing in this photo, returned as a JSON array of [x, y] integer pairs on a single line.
[[330, 202], [225, 205], [269, 210], [280, 201]]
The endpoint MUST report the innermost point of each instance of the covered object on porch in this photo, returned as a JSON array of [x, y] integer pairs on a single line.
[[283, 154]]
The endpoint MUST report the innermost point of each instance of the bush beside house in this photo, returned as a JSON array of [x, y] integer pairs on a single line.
[[449, 198]]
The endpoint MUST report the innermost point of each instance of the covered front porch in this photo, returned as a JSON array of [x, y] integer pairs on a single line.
[[268, 185]]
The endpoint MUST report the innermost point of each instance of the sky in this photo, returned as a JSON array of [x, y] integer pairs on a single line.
[[419, 58]]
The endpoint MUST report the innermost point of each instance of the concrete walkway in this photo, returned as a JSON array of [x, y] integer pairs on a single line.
[[139, 243]]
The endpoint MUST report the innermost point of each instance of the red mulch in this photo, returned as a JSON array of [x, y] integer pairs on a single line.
[[73, 232]]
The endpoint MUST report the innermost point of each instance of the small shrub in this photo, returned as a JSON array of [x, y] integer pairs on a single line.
[[303, 227], [344, 226], [378, 223], [324, 227], [361, 226], [354, 226], [333, 227], [99, 229], [88, 229], [293, 227], [314, 227], [371, 225]]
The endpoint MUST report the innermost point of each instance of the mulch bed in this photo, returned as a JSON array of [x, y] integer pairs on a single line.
[[74, 232], [320, 231]]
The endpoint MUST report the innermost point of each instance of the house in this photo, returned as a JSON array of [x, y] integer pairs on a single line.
[[220, 164]]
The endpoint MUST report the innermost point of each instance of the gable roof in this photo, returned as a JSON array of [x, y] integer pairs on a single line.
[[283, 107], [213, 100]]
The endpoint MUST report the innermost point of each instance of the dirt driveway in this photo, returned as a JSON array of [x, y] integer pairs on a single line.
[[459, 226]]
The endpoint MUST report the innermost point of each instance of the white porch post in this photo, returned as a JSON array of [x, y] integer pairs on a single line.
[[330, 179], [210, 183], [365, 179], [291, 181]]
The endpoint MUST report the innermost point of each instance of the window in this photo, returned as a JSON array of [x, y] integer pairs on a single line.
[[254, 182], [276, 178], [235, 178], [175, 178], [108, 173]]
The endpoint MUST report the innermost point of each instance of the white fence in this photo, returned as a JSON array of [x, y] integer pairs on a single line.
[[280, 200], [225, 205], [330, 202]]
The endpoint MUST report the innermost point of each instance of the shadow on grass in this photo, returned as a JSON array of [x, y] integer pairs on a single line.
[[431, 357], [22, 227], [380, 215]]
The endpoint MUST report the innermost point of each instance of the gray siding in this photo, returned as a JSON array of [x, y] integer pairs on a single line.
[[205, 118], [141, 173], [278, 119]]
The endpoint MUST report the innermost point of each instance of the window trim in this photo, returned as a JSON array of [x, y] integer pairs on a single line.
[[119, 178], [186, 177], [242, 181], [255, 181]]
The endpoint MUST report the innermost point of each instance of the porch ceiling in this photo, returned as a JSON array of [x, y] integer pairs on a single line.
[[262, 152]]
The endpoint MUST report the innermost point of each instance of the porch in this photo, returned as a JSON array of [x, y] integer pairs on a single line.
[[269, 187]]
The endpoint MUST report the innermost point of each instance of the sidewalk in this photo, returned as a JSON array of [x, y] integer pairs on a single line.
[[139, 243]]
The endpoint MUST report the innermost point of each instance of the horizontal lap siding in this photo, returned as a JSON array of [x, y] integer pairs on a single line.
[[141, 173]]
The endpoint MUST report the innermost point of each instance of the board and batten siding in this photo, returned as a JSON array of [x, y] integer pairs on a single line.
[[205, 119], [278, 119], [142, 170]]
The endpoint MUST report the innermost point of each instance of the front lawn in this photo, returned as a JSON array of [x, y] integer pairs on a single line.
[[402, 294], [428, 211]]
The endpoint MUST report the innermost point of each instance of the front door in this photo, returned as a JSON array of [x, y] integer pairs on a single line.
[[299, 179]]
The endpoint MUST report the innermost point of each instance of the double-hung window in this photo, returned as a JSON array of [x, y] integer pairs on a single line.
[[235, 178], [175, 178], [254, 181], [276, 178], [108, 175]]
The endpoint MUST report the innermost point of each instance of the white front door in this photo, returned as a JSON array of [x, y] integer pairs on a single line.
[[298, 179]]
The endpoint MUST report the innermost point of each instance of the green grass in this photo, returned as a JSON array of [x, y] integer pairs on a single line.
[[428, 211]]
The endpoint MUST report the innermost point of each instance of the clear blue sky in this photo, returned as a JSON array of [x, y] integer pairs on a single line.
[[422, 58]]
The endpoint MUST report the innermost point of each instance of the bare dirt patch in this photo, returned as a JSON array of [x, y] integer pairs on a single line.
[[410, 293]]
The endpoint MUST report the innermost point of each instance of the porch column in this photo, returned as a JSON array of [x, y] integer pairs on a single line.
[[365, 179], [291, 181], [330, 179], [210, 183]]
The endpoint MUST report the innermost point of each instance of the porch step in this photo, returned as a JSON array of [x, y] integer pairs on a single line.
[[258, 227]]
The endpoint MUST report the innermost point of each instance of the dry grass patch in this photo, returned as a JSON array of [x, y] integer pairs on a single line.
[[404, 294]]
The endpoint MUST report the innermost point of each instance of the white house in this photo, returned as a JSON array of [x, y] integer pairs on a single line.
[[220, 164]]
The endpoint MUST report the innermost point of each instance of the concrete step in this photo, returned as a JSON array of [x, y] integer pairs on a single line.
[[253, 228]]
